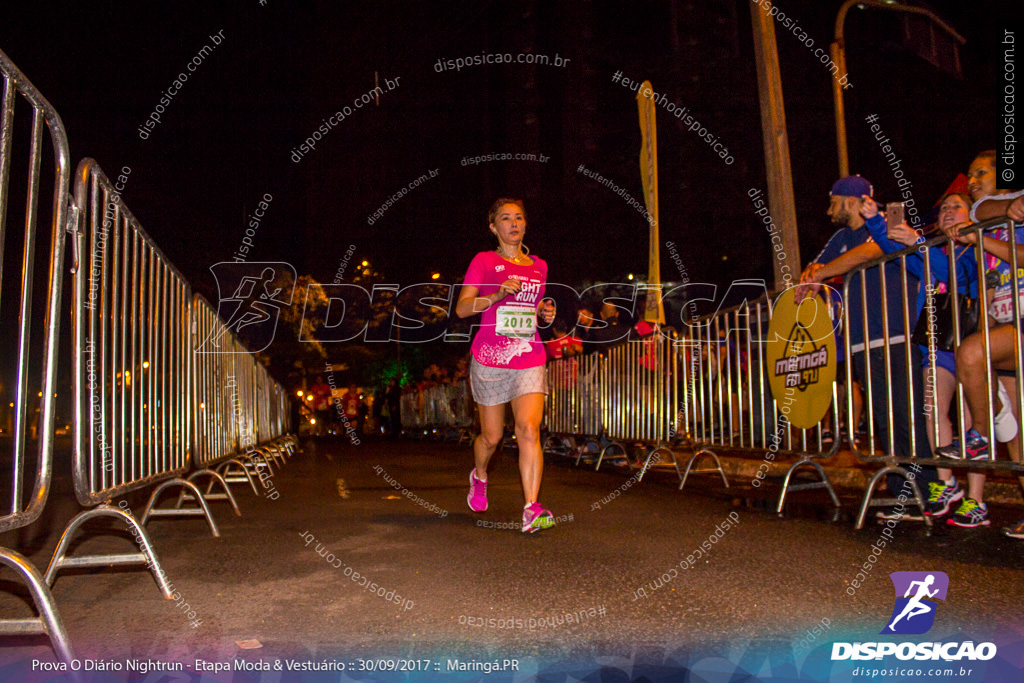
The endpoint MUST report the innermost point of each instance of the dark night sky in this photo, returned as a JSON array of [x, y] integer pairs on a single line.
[[226, 137]]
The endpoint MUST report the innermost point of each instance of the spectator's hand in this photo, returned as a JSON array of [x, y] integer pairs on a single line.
[[546, 312], [1016, 210], [904, 234], [868, 207], [969, 237], [810, 283]]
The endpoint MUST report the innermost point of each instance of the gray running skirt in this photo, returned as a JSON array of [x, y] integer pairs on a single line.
[[495, 386]]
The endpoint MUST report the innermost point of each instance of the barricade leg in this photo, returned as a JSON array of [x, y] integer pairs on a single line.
[[693, 459], [875, 480], [283, 448], [655, 454], [146, 555], [209, 495], [614, 445], [583, 450], [260, 459], [203, 509], [823, 484], [48, 622], [274, 452], [234, 476]]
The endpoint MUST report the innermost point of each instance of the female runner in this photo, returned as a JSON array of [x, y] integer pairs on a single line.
[[507, 285]]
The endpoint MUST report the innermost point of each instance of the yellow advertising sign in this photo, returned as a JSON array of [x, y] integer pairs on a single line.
[[654, 309], [801, 357]]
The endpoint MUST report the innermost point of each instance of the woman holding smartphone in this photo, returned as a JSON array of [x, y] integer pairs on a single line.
[[506, 286], [954, 213]]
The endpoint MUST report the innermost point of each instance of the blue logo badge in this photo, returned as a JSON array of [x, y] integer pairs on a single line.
[[916, 596]]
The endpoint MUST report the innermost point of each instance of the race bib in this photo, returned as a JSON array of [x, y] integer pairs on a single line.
[[1001, 307], [516, 321]]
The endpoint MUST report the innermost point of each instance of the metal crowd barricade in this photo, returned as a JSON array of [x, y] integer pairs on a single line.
[[219, 401], [31, 463], [409, 407], [903, 453], [461, 402], [277, 409], [639, 399], [273, 449], [264, 385], [440, 410], [222, 402], [134, 402], [131, 374], [436, 410], [615, 403], [241, 412], [573, 411], [727, 404], [445, 410]]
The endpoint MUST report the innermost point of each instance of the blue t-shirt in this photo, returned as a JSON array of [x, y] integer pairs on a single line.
[[965, 262], [842, 241]]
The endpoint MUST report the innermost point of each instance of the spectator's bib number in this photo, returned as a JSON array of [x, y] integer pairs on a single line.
[[516, 321], [1001, 307]]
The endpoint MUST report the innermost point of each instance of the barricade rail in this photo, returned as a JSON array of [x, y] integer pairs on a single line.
[[237, 403], [717, 376], [36, 344], [412, 415], [574, 406], [729, 406], [915, 402], [707, 391], [440, 406], [132, 370], [727, 399], [220, 392], [644, 404], [638, 400], [144, 367], [140, 387], [910, 408]]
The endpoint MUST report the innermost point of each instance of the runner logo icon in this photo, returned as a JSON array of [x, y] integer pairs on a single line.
[[916, 595], [250, 302]]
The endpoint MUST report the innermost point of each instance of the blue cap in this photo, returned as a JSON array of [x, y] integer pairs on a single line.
[[852, 186]]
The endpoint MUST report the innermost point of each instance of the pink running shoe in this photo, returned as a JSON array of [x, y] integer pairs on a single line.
[[477, 497], [536, 518]]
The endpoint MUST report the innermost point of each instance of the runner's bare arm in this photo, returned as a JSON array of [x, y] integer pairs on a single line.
[[470, 302]]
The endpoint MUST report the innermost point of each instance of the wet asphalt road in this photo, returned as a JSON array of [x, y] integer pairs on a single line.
[[458, 584]]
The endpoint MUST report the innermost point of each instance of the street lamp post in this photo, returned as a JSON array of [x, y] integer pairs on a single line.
[[838, 54]]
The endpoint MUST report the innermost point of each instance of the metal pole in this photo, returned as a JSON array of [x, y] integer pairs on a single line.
[[838, 53], [776, 144]]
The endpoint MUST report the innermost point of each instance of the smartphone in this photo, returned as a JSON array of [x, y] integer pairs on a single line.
[[894, 215]]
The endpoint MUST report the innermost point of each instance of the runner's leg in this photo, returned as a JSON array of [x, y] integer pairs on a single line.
[[492, 426], [529, 410]]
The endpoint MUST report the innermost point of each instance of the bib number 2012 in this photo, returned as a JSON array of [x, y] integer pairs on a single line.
[[516, 321]]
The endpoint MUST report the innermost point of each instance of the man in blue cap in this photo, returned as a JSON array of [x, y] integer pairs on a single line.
[[848, 248]]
